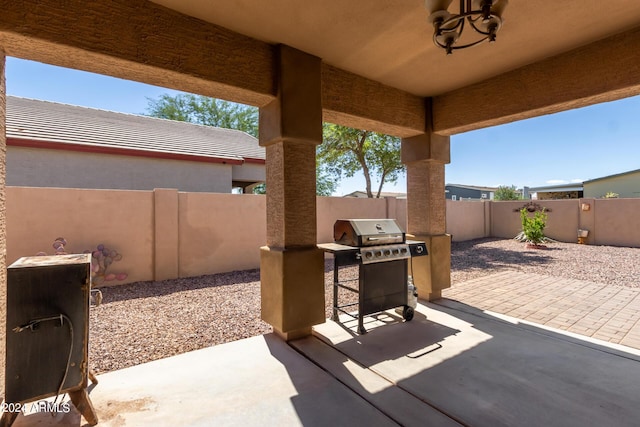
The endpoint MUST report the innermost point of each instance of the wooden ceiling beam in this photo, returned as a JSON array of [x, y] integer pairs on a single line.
[[606, 70], [142, 41], [352, 100]]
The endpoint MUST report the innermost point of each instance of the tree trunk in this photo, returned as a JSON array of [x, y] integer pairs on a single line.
[[382, 178], [363, 163]]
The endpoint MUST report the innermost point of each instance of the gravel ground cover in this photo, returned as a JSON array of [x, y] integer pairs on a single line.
[[145, 321]]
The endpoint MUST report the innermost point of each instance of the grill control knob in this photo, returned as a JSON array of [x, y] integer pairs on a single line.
[[387, 252], [378, 254], [368, 255], [396, 251], [403, 251]]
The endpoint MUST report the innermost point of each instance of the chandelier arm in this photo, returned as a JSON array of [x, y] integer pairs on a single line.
[[470, 18], [470, 44], [476, 14], [462, 23], [478, 30], [444, 46], [459, 21], [437, 43]]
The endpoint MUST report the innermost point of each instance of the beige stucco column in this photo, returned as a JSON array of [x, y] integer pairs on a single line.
[[425, 156], [291, 266], [3, 228]]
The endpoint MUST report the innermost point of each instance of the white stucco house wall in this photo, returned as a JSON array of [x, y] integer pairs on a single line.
[[625, 185], [57, 145]]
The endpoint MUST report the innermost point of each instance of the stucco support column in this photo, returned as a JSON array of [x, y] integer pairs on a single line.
[[3, 228], [425, 156], [291, 266]]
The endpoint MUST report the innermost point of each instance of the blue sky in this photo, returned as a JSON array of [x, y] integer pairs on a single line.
[[571, 146]]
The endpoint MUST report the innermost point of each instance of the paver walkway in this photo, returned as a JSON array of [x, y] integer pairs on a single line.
[[605, 312]]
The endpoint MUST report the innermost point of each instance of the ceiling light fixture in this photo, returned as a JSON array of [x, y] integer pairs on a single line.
[[484, 16]]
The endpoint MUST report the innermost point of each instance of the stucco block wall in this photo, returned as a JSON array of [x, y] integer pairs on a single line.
[[627, 185], [31, 167], [220, 232], [168, 234], [505, 223], [616, 222], [562, 219], [213, 232], [468, 220], [400, 213], [121, 220]]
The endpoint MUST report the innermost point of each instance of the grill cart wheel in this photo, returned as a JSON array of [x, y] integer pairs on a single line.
[[407, 313]]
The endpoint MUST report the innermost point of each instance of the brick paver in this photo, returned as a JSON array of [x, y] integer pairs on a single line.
[[606, 312]]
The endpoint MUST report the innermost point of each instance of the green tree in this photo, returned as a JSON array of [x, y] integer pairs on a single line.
[[215, 112], [345, 151], [506, 193], [205, 111]]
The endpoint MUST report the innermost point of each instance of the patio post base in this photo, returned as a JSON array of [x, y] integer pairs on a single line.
[[292, 289], [432, 273]]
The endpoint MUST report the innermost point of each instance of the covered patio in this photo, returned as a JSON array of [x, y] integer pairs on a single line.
[[367, 66], [453, 365]]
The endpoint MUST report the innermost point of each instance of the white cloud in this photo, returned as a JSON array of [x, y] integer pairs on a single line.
[[556, 181], [577, 180]]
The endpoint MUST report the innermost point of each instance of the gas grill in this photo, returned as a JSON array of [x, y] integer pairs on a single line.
[[379, 248]]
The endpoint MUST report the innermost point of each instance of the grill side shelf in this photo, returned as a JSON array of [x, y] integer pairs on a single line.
[[417, 248]]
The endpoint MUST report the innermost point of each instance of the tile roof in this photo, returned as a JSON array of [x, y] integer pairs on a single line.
[[45, 121], [612, 176], [472, 187], [383, 194]]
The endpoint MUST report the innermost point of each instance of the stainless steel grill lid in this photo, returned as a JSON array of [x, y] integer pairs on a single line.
[[367, 232]]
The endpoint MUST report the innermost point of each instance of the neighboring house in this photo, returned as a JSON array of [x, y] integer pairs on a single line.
[[383, 194], [626, 184], [562, 191], [58, 145], [468, 192]]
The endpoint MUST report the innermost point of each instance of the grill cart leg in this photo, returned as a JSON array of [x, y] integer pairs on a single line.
[[361, 329], [335, 288]]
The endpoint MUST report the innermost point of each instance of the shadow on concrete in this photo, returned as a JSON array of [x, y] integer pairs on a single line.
[[388, 327], [320, 400], [496, 372]]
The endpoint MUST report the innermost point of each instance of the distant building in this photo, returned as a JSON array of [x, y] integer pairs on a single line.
[[626, 185], [58, 145], [383, 194], [468, 192], [562, 191]]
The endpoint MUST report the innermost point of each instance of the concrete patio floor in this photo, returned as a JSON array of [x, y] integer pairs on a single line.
[[453, 364]]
